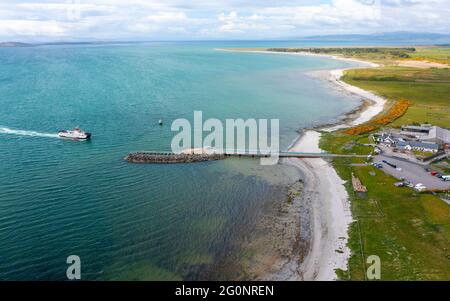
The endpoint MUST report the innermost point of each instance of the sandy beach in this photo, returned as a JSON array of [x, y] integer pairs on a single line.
[[330, 207], [330, 214]]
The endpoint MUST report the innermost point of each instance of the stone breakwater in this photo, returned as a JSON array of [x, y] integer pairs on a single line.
[[154, 158]]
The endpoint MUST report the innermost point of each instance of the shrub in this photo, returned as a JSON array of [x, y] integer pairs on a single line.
[[397, 111]]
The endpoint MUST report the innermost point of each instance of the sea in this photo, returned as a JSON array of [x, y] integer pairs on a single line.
[[142, 222]]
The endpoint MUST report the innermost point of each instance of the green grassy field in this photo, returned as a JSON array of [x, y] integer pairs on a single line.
[[427, 89]]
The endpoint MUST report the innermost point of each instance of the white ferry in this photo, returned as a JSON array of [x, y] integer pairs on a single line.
[[75, 134]]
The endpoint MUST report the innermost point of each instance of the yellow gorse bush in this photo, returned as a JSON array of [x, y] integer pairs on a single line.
[[397, 111]]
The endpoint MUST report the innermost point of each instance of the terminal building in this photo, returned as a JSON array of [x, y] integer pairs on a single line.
[[427, 133]]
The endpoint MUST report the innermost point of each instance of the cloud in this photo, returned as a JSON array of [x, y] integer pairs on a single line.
[[232, 23], [31, 28], [168, 17], [190, 19]]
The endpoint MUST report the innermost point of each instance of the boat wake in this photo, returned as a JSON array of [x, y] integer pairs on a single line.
[[4, 130]]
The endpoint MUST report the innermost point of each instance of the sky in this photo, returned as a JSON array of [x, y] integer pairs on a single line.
[[78, 20]]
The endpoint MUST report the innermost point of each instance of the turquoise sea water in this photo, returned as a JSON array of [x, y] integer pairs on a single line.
[[59, 198]]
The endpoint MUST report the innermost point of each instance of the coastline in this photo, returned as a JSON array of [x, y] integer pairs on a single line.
[[331, 211], [328, 209]]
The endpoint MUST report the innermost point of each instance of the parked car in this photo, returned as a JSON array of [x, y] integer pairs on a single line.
[[420, 187], [427, 169], [434, 173], [445, 178], [439, 176], [399, 184], [378, 165], [409, 184]]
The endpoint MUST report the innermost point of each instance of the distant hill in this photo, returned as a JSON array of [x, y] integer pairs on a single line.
[[14, 44], [404, 37], [19, 44], [392, 38]]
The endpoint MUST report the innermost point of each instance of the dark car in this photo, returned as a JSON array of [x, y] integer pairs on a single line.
[[378, 165]]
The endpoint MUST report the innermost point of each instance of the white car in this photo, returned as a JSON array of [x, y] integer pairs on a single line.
[[420, 187]]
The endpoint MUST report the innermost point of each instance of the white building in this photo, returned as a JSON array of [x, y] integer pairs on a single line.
[[426, 132], [418, 146]]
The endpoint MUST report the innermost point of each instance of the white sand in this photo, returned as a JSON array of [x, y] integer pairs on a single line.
[[331, 213], [377, 102]]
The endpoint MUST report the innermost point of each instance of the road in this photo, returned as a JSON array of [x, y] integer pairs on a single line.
[[411, 172]]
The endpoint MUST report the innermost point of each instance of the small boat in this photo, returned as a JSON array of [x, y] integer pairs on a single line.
[[75, 134], [160, 122]]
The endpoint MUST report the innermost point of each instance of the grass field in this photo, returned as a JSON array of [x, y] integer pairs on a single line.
[[428, 90]]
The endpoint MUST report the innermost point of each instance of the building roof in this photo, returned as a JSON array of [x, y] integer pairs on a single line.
[[417, 144], [443, 135], [417, 127]]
